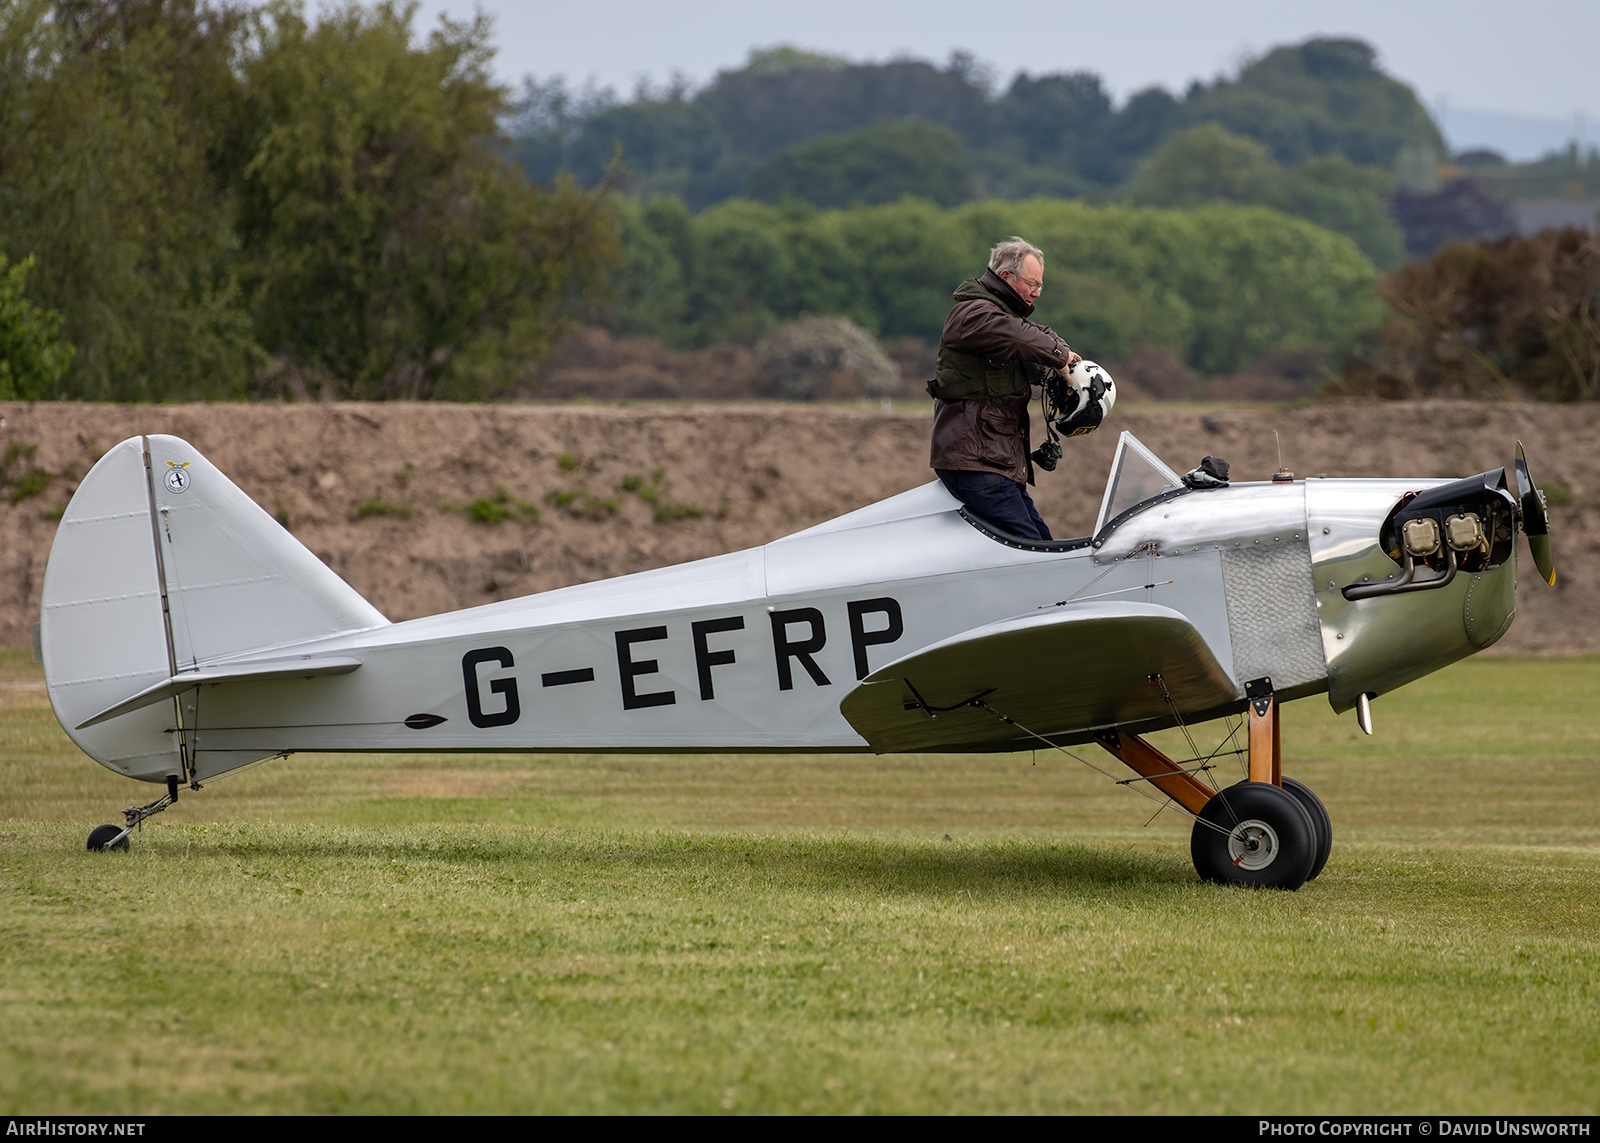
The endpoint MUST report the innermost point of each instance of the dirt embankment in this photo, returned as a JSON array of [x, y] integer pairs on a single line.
[[425, 508]]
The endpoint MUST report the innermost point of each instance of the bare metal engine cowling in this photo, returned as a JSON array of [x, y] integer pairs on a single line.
[[1389, 617]]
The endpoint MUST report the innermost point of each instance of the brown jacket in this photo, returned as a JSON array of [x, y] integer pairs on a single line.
[[990, 320]]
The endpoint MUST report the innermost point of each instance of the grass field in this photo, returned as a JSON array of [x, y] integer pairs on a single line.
[[813, 934]]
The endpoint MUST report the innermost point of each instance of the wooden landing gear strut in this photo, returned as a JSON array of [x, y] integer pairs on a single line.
[[1267, 831], [1266, 746]]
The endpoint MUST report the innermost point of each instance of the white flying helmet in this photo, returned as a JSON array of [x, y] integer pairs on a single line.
[[1095, 392]]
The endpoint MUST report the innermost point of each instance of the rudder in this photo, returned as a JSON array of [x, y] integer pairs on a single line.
[[162, 565]]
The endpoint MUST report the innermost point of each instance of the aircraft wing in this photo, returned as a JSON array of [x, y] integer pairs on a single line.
[[1059, 672]]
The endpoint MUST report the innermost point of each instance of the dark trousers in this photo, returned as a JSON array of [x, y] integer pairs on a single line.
[[999, 500]]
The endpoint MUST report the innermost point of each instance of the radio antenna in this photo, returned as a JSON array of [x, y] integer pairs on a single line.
[[1283, 475]]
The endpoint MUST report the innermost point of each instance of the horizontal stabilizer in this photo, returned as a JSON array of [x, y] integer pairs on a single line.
[[1059, 672], [304, 668]]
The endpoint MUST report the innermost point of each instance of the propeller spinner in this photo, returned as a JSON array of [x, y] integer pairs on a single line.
[[1535, 519]]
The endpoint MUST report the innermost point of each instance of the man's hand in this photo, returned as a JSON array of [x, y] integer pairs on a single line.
[[1072, 359]]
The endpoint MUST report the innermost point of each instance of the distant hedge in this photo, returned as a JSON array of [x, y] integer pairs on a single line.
[[1219, 284]]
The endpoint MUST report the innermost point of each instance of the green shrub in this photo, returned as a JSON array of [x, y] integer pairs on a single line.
[[580, 503], [485, 511], [378, 506], [30, 483], [500, 508], [654, 494]]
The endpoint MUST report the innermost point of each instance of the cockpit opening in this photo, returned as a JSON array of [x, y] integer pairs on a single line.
[[1137, 477]]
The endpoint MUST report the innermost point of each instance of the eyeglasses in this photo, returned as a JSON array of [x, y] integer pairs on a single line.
[[1036, 286]]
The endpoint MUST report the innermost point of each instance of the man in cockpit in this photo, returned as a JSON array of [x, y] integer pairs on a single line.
[[989, 354]]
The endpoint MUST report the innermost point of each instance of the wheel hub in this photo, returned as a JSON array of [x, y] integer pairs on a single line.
[[1253, 844]]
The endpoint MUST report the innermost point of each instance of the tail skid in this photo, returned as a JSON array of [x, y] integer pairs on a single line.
[[164, 576]]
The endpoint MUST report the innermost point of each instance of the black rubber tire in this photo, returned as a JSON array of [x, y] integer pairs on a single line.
[[1266, 839], [102, 834], [1319, 820]]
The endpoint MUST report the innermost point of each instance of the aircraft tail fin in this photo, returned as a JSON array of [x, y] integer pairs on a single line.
[[162, 568]]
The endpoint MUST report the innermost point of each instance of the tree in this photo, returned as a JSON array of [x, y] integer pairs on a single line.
[[1324, 97], [1060, 119], [1519, 316], [206, 182], [32, 358], [651, 293], [1208, 164], [384, 244], [782, 58], [1460, 210], [701, 146], [1056, 133], [1220, 284], [1348, 199], [115, 123], [880, 163], [1143, 124], [649, 139], [764, 111]]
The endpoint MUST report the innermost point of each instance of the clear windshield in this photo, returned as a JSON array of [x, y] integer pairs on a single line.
[[1137, 474]]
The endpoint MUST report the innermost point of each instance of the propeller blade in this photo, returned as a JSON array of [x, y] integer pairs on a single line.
[[1543, 559], [1535, 519]]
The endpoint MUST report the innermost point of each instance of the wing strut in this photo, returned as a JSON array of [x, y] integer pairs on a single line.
[[1163, 773]]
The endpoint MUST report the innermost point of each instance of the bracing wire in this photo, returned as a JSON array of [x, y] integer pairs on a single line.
[[1136, 783]]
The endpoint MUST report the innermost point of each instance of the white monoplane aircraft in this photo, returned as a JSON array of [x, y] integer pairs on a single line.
[[185, 634]]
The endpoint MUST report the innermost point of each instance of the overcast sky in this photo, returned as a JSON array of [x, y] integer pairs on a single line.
[[1533, 58]]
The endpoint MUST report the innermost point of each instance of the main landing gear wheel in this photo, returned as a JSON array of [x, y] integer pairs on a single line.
[[1255, 834], [1318, 813], [101, 835]]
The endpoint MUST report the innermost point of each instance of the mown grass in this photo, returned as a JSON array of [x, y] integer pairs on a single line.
[[814, 934]]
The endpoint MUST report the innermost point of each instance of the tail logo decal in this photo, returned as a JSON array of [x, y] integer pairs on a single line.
[[177, 479]]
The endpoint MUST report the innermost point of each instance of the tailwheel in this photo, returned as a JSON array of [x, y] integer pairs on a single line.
[[1254, 834], [1318, 813], [107, 837]]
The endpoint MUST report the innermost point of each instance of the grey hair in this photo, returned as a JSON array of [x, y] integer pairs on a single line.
[[1007, 256]]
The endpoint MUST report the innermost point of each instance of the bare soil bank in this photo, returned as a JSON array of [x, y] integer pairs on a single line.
[[384, 493]]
